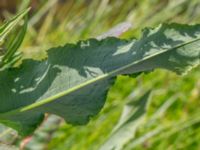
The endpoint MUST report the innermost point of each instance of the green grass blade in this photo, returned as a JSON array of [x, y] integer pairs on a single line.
[[126, 130]]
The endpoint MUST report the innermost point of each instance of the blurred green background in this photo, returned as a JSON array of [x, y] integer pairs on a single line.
[[172, 119]]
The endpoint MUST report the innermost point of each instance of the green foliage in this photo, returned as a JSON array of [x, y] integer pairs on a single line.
[[10, 56], [132, 117], [74, 80], [177, 128]]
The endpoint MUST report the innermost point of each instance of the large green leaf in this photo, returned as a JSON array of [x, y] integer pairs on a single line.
[[73, 82]]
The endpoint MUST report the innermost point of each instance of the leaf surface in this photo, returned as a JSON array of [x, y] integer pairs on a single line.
[[73, 82]]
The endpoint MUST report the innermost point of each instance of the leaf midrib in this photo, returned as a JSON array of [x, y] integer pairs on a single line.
[[101, 77]]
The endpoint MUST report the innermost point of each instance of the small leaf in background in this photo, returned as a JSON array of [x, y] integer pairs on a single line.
[[132, 117], [10, 25], [11, 56], [160, 112]]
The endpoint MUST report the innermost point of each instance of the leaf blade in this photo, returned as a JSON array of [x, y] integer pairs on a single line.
[[73, 82]]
